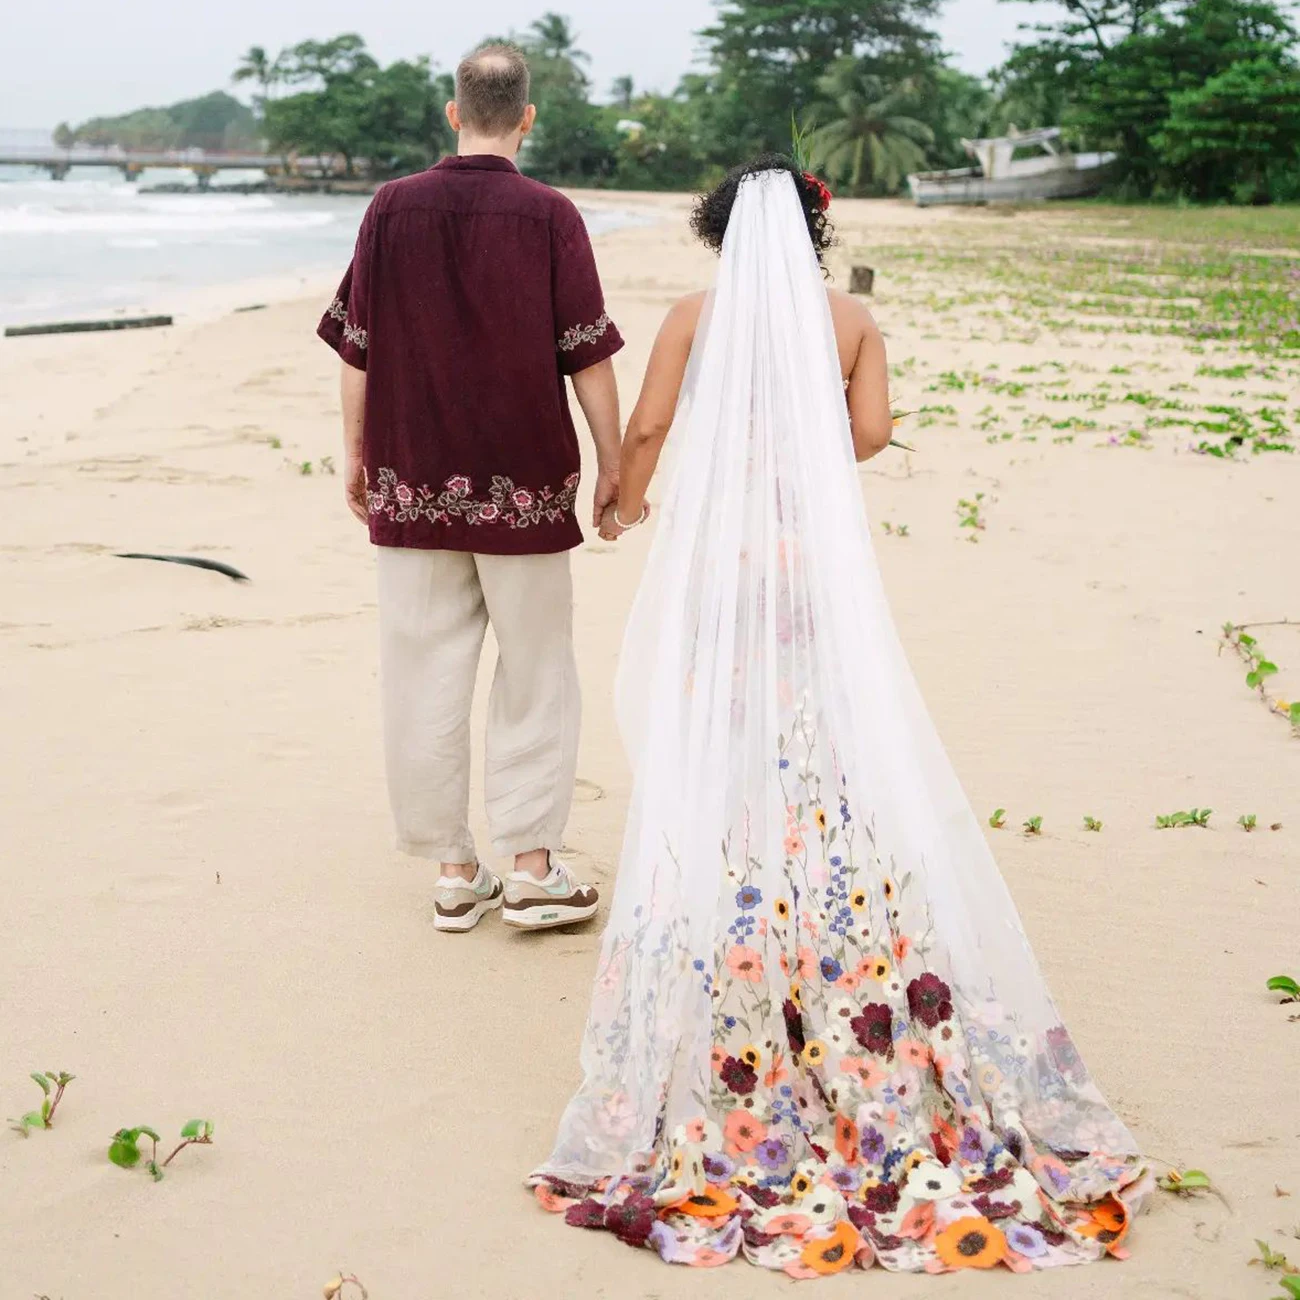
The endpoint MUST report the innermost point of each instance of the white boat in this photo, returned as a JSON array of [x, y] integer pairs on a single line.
[[1015, 168]]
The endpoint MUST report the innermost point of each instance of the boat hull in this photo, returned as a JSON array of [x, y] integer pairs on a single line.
[[971, 187]]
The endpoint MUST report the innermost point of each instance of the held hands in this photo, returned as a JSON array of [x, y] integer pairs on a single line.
[[354, 488], [610, 528]]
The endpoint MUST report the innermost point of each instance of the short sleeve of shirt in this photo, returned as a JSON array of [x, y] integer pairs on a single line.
[[345, 325], [584, 333]]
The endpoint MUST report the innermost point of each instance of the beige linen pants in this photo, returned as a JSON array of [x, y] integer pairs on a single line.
[[434, 608]]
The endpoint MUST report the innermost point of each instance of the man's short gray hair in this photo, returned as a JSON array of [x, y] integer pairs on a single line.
[[492, 87]]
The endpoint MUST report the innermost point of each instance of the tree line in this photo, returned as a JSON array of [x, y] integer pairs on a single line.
[[1200, 98]]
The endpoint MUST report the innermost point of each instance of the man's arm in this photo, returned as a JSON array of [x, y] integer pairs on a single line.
[[597, 393], [352, 389]]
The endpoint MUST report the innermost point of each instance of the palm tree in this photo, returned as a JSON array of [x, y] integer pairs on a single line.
[[871, 141], [259, 67], [552, 36], [624, 90]]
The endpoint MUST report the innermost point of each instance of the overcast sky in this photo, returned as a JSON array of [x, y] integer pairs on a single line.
[[72, 59]]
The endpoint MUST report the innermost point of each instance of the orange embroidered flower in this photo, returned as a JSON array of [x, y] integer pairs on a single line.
[[902, 946], [793, 845], [858, 899], [874, 968], [751, 1056], [912, 1052], [777, 1074], [785, 965], [1107, 1223], [972, 1242], [809, 965], [820, 818], [745, 964], [549, 1199], [711, 1203], [846, 1139], [707, 1257], [890, 891], [831, 1254], [742, 1131], [782, 909], [918, 1222], [796, 994], [717, 1058], [864, 1069]]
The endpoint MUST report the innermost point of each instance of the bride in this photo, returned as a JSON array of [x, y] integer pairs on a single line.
[[818, 1035]]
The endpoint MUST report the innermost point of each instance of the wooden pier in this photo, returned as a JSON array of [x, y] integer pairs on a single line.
[[204, 164]]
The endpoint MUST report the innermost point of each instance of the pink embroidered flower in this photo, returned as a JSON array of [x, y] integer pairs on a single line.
[[864, 1069], [523, 498], [572, 481], [809, 966], [489, 511], [913, 1053], [745, 964], [404, 494], [743, 1132], [459, 485]]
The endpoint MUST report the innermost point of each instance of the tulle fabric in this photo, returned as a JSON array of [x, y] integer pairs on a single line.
[[814, 982]]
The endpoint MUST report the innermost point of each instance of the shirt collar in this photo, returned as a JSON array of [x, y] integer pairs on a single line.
[[476, 162]]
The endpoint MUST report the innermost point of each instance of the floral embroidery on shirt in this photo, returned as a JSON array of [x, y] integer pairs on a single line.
[[576, 335], [337, 311], [506, 504], [356, 336]]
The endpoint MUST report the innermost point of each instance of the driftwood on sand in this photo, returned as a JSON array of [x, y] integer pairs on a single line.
[[193, 561], [88, 326]]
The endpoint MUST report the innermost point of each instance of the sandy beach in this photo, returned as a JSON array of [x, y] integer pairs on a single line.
[[203, 915]]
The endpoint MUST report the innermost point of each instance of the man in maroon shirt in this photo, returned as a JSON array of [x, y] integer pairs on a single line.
[[472, 294]]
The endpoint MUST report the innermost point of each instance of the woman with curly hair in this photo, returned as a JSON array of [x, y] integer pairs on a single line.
[[818, 1036]]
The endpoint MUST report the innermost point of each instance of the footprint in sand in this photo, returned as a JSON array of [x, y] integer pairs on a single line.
[[587, 791]]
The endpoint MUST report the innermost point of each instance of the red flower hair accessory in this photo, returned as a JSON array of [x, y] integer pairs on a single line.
[[824, 195]]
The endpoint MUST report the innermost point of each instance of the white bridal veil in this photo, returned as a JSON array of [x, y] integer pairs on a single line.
[[760, 649]]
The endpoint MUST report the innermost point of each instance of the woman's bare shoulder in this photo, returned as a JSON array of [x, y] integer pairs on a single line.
[[849, 312]]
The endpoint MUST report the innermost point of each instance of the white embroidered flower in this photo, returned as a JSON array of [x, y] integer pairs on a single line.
[[522, 498], [404, 494], [931, 1181], [576, 335]]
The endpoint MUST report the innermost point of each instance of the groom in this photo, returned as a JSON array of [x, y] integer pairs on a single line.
[[472, 293]]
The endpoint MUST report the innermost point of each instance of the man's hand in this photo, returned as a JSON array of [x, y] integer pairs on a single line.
[[610, 529], [606, 495], [354, 486]]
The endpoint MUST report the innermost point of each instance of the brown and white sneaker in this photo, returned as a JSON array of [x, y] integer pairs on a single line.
[[459, 905], [533, 904]]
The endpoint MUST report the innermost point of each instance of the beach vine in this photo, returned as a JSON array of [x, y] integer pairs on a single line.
[[1259, 667], [124, 1151], [52, 1083]]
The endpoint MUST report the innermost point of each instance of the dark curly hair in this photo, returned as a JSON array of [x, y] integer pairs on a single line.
[[712, 211]]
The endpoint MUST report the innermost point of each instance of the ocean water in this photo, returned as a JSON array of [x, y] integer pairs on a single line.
[[93, 243]]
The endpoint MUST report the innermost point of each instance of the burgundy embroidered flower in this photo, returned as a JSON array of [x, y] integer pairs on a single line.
[[999, 1178], [874, 1029], [586, 1214], [929, 1000], [793, 1025], [739, 1076], [883, 1199], [764, 1197], [632, 1220], [861, 1217], [992, 1209], [1063, 1051]]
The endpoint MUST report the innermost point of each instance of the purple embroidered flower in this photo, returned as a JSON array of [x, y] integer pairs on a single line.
[[1026, 1240], [831, 970], [748, 897], [873, 1144], [848, 1178], [972, 1146], [930, 1000], [771, 1153], [874, 1029], [719, 1168]]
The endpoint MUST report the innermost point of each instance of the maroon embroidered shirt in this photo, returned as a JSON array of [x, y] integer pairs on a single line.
[[472, 293]]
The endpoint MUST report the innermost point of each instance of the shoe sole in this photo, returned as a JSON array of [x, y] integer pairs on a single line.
[[547, 916], [466, 920]]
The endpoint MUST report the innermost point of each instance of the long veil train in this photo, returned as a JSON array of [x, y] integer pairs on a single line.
[[818, 1033]]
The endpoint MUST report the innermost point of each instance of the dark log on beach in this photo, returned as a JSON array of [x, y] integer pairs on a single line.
[[861, 278], [88, 326], [256, 306], [193, 561]]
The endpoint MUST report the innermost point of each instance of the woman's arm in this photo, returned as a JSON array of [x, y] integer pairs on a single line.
[[869, 415], [653, 415]]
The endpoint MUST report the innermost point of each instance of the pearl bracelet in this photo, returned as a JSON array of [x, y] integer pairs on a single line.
[[645, 513]]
